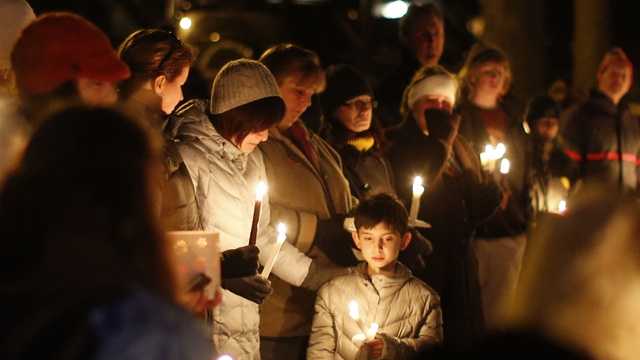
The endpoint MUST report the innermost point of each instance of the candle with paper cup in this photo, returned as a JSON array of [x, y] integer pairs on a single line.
[[261, 190], [280, 239]]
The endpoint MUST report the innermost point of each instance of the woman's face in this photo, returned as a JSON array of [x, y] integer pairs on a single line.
[[249, 143], [171, 91], [356, 113], [490, 79], [296, 92]]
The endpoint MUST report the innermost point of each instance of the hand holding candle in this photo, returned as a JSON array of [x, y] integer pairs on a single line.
[[280, 239], [261, 189]]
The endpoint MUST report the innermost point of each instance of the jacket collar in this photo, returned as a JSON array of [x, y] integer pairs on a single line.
[[383, 282], [197, 128], [604, 103]]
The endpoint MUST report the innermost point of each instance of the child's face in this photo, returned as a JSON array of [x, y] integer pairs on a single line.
[[380, 246], [547, 128]]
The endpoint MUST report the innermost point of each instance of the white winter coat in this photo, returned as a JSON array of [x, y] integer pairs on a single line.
[[224, 180], [405, 308]]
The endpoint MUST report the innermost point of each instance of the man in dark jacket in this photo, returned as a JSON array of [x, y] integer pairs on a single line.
[[602, 136], [422, 34]]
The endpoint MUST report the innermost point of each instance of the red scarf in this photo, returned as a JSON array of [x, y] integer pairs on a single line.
[[300, 136]]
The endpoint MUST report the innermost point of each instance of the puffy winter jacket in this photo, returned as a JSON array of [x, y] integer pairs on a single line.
[[406, 310], [224, 179], [603, 140]]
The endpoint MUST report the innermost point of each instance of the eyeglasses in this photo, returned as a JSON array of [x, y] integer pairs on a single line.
[[362, 105]]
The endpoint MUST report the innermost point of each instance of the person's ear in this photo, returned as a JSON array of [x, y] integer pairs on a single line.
[[158, 84], [356, 239], [406, 240]]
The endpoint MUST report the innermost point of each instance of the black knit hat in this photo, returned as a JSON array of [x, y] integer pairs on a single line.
[[540, 107], [344, 83]]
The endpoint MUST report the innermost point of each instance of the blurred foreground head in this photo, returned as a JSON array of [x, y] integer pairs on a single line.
[[582, 283], [76, 212]]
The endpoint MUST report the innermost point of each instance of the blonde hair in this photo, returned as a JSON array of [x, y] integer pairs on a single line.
[[478, 56]]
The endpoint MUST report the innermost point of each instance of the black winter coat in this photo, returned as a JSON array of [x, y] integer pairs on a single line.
[[455, 203], [603, 142]]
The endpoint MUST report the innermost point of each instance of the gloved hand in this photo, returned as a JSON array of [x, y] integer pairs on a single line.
[[320, 274], [416, 254], [254, 288], [239, 262]]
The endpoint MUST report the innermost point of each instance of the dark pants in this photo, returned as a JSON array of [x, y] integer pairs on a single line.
[[290, 348]]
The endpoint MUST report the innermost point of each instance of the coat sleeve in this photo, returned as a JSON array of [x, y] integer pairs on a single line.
[[430, 334], [179, 210], [322, 343]]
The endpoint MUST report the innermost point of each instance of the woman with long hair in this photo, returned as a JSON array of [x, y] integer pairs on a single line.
[[86, 272]]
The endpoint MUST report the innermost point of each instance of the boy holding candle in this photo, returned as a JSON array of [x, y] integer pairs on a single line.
[[381, 294]]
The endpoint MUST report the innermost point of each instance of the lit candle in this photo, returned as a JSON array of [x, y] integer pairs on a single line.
[[261, 189], [282, 236], [372, 331], [225, 357], [354, 313], [418, 190], [505, 166], [562, 206], [500, 150]]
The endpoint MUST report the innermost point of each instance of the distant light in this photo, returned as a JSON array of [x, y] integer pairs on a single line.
[[214, 37], [477, 26], [391, 10], [352, 14], [185, 23], [225, 357]]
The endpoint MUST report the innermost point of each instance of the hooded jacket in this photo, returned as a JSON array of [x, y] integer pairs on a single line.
[[406, 310], [223, 180]]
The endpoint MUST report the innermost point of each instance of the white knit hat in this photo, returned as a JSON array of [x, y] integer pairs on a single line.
[[15, 15], [240, 82]]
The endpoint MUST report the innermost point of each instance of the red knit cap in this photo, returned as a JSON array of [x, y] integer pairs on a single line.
[[58, 47]]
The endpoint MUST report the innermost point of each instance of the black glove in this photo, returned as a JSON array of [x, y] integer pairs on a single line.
[[442, 125], [239, 262], [416, 254], [320, 274], [335, 241], [254, 288]]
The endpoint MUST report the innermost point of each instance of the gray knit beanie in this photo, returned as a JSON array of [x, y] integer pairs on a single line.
[[240, 82]]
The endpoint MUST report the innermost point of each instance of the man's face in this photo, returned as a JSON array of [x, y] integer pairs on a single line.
[[380, 246], [615, 80], [296, 92], [427, 40]]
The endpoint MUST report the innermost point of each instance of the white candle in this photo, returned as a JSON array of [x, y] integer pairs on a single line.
[[261, 190], [418, 190], [505, 166], [372, 331], [354, 313], [500, 150], [280, 239]]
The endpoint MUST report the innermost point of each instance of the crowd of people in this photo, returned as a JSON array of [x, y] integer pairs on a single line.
[[505, 252]]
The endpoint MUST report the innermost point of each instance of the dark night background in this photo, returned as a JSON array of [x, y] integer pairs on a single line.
[[546, 40]]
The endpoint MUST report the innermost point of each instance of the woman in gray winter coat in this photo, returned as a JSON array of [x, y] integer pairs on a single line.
[[213, 149]]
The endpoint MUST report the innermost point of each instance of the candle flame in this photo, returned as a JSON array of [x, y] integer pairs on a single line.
[[261, 189], [500, 150], [281, 228], [354, 310], [225, 357], [418, 188], [505, 166], [562, 206], [372, 331]]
